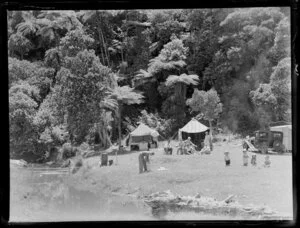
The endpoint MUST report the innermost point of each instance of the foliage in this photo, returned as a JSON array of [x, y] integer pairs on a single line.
[[22, 108], [80, 75], [30, 24], [84, 81], [280, 82], [183, 78], [163, 126], [74, 42], [126, 95], [53, 58], [19, 70], [19, 45], [274, 98], [171, 57], [206, 103], [68, 150], [282, 41]]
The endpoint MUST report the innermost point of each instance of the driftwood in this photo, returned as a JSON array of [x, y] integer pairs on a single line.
[[162, 202], [20, 163], [251, 147]]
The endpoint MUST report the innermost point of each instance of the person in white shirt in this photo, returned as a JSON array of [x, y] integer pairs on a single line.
[[190, 147]]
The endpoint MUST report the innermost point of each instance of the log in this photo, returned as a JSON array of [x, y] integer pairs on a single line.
[[166, 201], [229, 199], [251, 147]]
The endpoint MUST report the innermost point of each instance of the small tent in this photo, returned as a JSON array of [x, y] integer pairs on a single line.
[[193, 129], [287, 135], [141, 136]]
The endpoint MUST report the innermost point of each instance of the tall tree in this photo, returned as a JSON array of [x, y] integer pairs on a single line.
[[170, 61], [180, 83], [84, 81], [124, 95], [207, 104], [19, 45], [22, 108]]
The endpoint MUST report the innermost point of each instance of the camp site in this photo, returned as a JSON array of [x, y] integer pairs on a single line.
[[171, 114]]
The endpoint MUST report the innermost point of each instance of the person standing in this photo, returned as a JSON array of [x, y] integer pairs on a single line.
[[190, 147], [180, 147], [245, 144], [253, 160], [142, 162], [168, 147], [143, 159], [227, 158], [267, 162], [245, 157], [208, 141]]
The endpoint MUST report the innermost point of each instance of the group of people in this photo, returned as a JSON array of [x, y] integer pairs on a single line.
[[266, 164], [188, 147]]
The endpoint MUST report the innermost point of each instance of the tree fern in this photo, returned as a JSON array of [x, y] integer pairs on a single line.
[[183, 78]]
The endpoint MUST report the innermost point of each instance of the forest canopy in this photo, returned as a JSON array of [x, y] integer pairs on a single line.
[[90, 76]]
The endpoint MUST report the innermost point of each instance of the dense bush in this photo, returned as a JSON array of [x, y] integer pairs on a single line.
[[73, 74], [68, 151]]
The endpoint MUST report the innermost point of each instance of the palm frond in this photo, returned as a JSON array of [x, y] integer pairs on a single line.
[[27, 27], [109, 103], [183, 78], [143, 74], [88, 14], [127, 95]]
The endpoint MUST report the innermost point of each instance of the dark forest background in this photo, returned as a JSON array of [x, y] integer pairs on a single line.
[[74, 74]]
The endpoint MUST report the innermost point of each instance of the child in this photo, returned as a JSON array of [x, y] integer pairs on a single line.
[[245, 157], [245, 144], [253, 160], [168, 148], [267, 162], [227, 158], [205, 150]]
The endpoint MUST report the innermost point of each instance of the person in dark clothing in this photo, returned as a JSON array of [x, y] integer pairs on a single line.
[[143, 160], [227, 159]]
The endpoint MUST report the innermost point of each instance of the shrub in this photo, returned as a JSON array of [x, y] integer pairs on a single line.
[[79, 163], [163, 126], [68, 151], [84, 146]]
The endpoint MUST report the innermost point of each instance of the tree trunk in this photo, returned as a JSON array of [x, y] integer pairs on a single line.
[[122, 57], [100, 34], [210, 129], [120, 133], [105, 48], [100, 134], [102, 55], [101, 49]]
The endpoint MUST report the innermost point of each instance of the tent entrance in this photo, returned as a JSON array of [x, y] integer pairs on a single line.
[[196, 138]]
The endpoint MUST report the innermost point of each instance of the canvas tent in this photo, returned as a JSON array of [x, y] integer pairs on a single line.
[[287, 135], [193, 129], [141, 136]]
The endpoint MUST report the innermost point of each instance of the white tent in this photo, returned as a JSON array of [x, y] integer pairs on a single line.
[[143, 130], [287, 135], [142, 135], [194, 126]]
